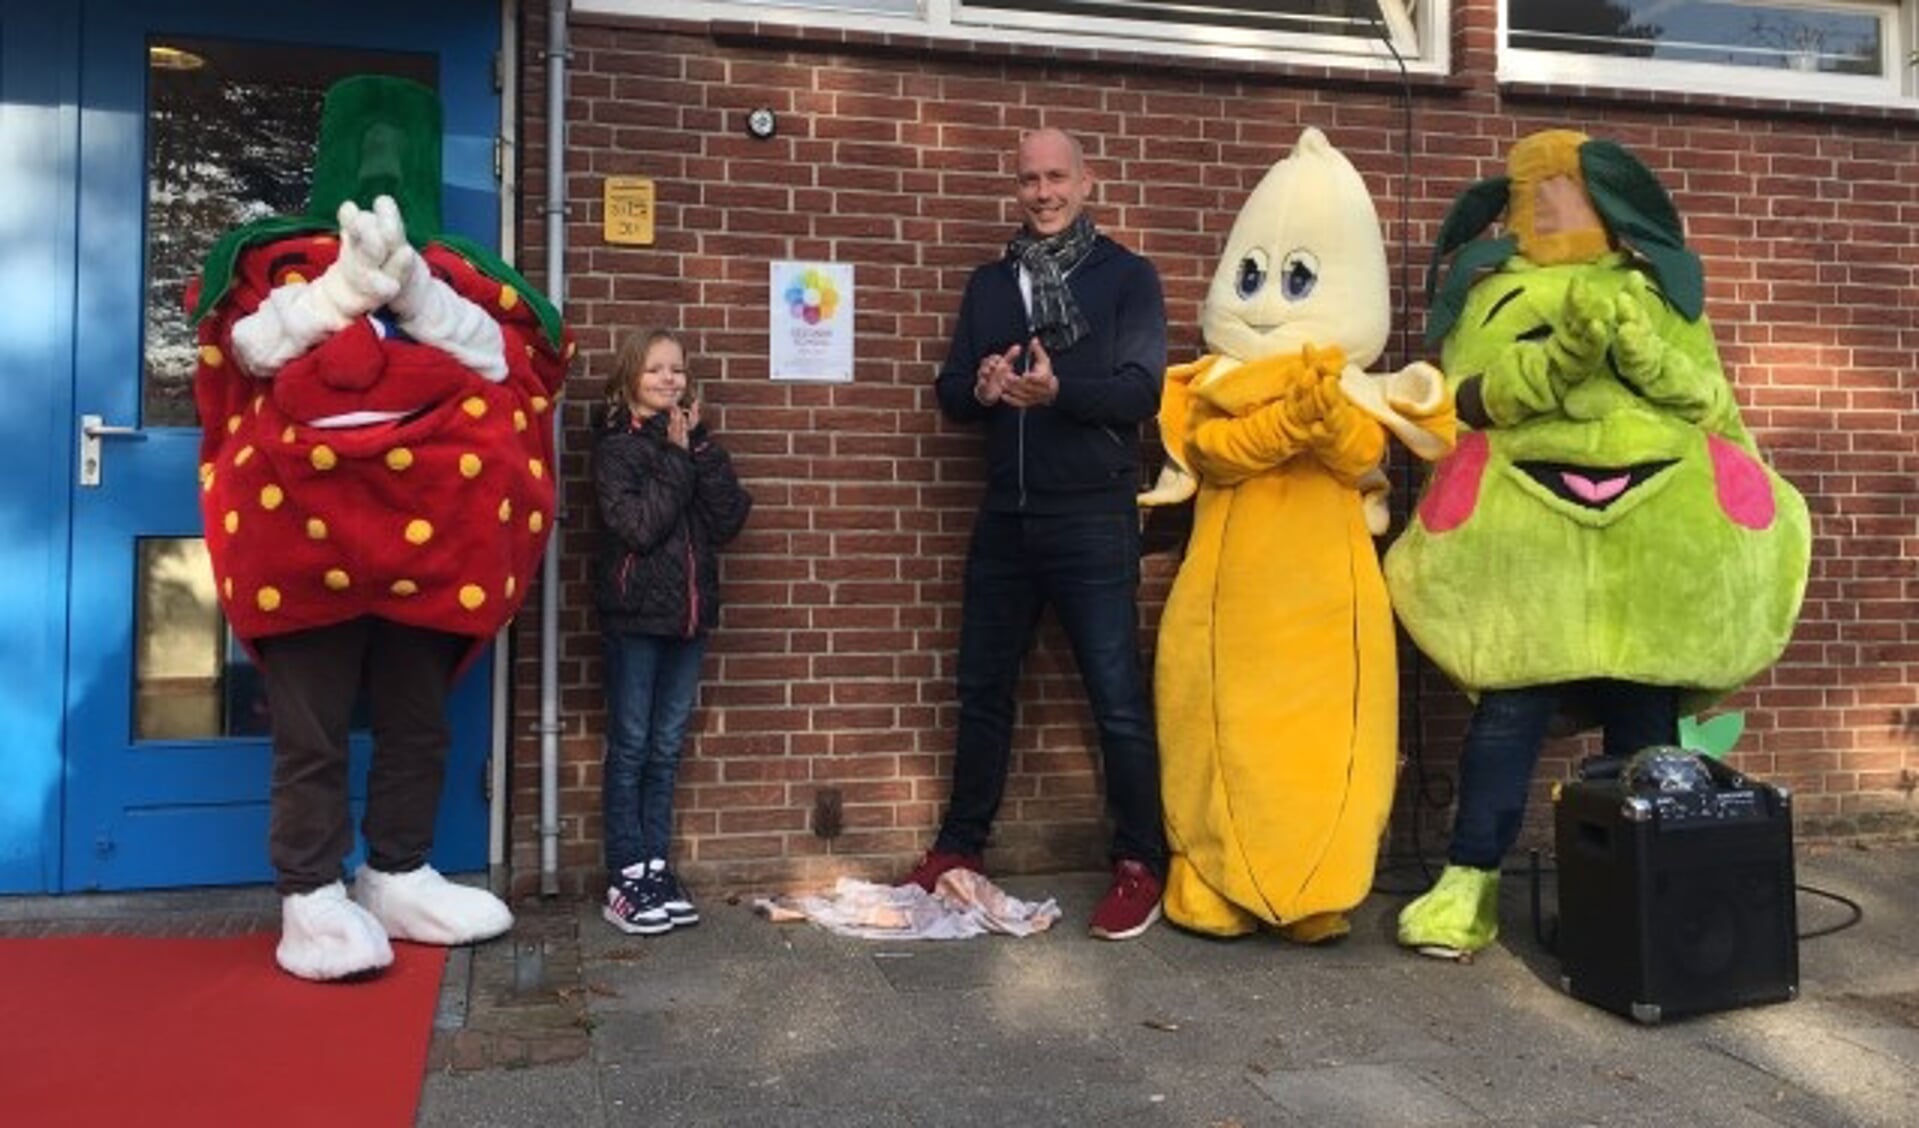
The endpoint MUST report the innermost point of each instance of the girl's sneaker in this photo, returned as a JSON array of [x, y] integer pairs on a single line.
[[679, 908], [635, 903]]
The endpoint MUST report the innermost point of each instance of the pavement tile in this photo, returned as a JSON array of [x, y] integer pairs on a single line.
[[1369, 1094]]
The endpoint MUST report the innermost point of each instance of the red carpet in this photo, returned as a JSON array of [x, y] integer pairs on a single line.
[[128, 1030]]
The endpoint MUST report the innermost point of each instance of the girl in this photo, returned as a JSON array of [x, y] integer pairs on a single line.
[[668, 498]]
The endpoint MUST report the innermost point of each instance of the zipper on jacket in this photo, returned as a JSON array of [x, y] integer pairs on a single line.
[[626, 569], [1021, 461], [692, 589]]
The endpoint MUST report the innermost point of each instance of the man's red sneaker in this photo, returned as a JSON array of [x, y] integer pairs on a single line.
[[1132, 904], [935, 862]]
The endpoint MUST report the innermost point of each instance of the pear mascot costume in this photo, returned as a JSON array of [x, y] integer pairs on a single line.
[[1605, 546], [376, 488], [1277, 694]]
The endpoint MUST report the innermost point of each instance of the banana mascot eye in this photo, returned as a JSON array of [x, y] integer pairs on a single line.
[[1298, 274], [1252, 274]]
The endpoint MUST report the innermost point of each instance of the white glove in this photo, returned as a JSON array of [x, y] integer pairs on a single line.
[[430, 311], [299, 315], [354, 285]]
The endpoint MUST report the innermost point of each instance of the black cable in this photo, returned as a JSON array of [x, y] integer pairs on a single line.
[[1425, 784], [1858, 912]]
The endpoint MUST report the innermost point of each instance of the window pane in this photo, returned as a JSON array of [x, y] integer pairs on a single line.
[[1773, 36], [230, 133], [191, 680], [1296, 17]]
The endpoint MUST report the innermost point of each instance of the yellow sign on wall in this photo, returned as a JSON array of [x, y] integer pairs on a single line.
[[628, 211]]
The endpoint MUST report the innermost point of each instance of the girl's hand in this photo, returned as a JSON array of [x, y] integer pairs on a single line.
[[677, 428], [692, 416]]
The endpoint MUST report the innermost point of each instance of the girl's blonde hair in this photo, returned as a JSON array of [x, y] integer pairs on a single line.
[[630, 358]]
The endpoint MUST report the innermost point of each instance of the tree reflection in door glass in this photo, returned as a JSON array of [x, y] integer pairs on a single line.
[[230, 133]]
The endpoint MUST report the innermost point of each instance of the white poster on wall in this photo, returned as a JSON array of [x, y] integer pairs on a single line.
[[811, 321]]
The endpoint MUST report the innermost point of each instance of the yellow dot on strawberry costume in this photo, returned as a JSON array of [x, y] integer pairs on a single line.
[[509, 297], [268, 598], [271, 497], [316, 529], [405, 587], [471, 596], [206, 482], [474, 406], [206, 472], [469, 465], [512, 585], [242, 456], [536, 468], [258, 403], [418, 531], [535, 521], [211, 356], [519, 420], [233, 423], [399, 458], [294, 276], [571, 348], [337, 580], [323, 457], [226, 587], [286, 436], [506, 510], [540, 404], [232, 521]]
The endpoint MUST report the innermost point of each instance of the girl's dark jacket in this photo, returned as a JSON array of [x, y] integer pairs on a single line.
[[664, 512]]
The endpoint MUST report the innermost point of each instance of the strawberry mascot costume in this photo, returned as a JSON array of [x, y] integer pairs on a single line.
[[376, 484]]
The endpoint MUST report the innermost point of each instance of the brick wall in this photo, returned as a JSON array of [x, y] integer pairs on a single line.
[[832, 671]]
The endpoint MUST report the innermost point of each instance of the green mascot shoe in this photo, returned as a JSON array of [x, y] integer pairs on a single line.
[[1458, 916]]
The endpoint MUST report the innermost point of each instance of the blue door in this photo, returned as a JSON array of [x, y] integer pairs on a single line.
[[133, 133]]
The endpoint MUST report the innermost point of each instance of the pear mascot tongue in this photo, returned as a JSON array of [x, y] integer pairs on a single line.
[[1605, 544], [376, 484], [1277, 693]]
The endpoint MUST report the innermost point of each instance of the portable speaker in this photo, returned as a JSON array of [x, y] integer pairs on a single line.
[[1676, 903]]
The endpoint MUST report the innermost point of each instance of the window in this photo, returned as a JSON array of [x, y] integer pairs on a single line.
[[1352, 33], [1816, 50]]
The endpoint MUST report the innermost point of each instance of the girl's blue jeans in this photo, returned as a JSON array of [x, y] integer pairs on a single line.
[[651, 684]]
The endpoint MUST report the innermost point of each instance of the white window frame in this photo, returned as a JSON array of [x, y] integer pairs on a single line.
[[1900, 36], [1422, 37]]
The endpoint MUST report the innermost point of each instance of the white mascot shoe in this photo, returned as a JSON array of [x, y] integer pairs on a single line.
[[426, 908], [323, 935]]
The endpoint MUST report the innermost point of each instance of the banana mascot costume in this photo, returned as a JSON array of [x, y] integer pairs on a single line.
[[1277, 692]]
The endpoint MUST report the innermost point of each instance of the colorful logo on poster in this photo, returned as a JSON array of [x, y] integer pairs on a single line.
[[810, 297]]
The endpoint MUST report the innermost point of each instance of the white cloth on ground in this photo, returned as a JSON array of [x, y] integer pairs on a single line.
[[963, 904]]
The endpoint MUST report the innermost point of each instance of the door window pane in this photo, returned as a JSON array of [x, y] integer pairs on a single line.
[[191, 680], [231, 128]]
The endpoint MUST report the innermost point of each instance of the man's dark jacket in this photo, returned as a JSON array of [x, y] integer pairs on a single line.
[[1080, 453], [664, 512]]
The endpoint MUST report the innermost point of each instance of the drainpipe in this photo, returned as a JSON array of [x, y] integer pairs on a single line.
[[556, 56], [500, 746]]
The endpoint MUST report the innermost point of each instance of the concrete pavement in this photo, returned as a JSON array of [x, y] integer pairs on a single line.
[[740, 1022]]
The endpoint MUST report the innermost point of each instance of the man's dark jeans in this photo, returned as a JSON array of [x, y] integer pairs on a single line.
[[1086, 566], [1503, 743]]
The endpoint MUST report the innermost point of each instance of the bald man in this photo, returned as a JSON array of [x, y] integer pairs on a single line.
[[1058, 351]]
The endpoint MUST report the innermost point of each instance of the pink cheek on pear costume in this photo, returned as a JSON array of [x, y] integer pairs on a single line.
[[1455, 489], [1744, 491]]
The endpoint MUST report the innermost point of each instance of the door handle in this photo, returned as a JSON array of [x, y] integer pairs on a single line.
[[93, 429]]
